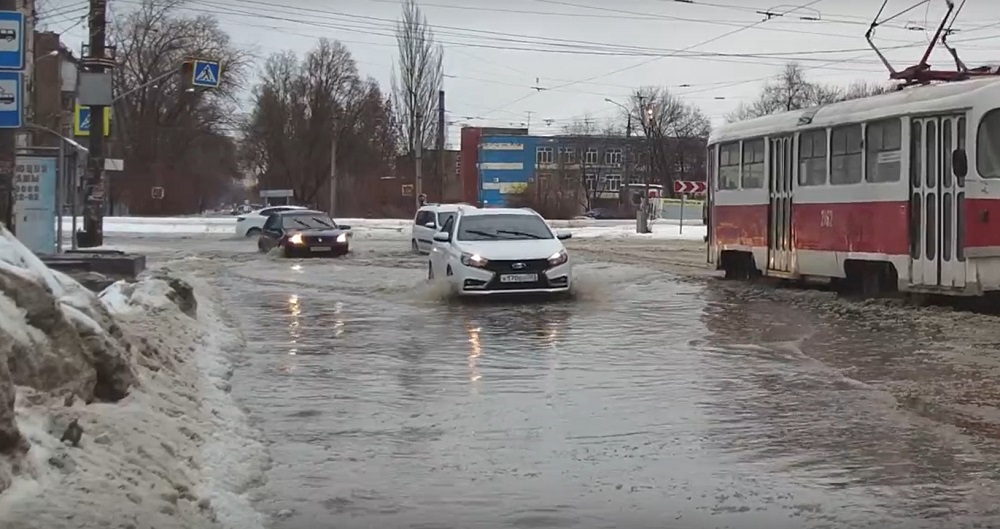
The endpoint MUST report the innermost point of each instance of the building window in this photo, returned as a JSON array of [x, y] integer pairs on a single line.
[[884, 149], [812, 158], [753, 164], [845, 155], [613, 156], [591, 156], [614, 182], [729, 166], [543, 155], [591, 182], [635, 179], [567, 155]]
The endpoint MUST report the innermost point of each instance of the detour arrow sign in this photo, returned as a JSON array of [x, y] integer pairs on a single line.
[[689, 187]]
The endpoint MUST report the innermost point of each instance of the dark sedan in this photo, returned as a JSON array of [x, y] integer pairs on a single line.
[[304, 233]]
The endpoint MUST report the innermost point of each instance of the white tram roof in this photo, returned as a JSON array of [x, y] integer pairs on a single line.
[[914, 100]]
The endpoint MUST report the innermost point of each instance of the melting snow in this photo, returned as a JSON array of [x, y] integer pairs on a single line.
[[175, 453]]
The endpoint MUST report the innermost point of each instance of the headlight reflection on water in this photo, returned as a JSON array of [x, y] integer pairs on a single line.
[[294, 309], [475, 350]]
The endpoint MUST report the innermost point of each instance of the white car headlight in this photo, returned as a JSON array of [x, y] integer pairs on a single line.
[[342, 237], [558, 258], [295, 239], [474, 260]]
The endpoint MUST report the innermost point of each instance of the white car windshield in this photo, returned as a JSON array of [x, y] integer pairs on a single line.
[[503, 227]]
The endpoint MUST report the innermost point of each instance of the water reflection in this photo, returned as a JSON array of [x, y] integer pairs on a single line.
[[475, 350], [294, 310]]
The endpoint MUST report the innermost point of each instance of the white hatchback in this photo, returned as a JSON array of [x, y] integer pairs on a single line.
[[251, 224], [428, 221], [500, 251]]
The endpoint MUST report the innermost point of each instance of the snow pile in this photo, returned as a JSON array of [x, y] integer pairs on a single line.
[[660, 231], [140, 372]]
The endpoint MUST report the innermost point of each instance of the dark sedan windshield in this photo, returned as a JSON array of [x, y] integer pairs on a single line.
[[307, 222], [504, 227]]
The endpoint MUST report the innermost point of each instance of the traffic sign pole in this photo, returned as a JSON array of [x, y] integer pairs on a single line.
[[96, 61]]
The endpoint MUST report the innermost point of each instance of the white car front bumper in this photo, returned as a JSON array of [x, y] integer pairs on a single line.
[[470, 281]]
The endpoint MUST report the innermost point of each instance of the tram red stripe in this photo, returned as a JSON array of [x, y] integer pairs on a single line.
[[872, 227], [982, 222], [740, 225]]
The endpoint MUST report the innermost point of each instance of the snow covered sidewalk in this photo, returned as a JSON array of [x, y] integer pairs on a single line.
[[142, 371]]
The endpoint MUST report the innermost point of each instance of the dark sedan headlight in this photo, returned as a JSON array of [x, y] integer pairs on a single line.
[[474, 260], [295, 239], [342, 237], [558, 258]]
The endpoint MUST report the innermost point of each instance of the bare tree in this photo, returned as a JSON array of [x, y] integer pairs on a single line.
[[301, 109], [675, 132], [168, 136], [418, 78], [790, 90]]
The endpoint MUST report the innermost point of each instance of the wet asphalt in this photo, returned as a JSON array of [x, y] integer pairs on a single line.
[[645, 401]]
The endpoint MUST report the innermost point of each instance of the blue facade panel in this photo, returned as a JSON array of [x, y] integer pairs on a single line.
[[506, 167]]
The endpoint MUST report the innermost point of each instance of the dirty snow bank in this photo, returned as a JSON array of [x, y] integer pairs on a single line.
[[142, 370]]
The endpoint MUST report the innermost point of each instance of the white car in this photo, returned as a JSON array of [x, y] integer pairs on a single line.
[[251, 224], [500, 251], [428, 221]]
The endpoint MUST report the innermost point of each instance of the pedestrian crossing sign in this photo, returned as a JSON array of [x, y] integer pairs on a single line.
[[206, 74], [81, 121]]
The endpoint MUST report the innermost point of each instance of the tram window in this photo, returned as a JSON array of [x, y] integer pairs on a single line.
[[884, 145], [812, 158], [729, 166], [753, 164], [845, 159], [987, 141], [946, 153]]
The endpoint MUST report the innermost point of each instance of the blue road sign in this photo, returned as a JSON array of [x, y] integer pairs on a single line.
[[12, 47], [85, 119], [11, 100], [206, 74]]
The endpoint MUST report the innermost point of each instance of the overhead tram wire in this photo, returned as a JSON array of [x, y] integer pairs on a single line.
[[643, 63]]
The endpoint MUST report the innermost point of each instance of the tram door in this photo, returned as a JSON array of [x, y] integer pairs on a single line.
[[937, 202], [711, 158], [779, 177]]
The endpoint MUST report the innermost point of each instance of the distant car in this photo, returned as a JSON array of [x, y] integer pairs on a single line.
[[427, 221], [302, 233], [500, 251], [600, 214], [250, 224]]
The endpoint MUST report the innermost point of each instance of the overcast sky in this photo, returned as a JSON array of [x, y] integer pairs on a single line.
[[554, 62]]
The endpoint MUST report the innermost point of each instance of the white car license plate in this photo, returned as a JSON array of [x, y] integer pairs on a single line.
[[519, 278], [321, 248]]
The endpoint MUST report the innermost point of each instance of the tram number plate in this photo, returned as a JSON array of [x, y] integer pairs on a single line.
[[321, 248], [519, 278]]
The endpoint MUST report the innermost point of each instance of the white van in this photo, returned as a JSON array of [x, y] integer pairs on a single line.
[[427, 221]]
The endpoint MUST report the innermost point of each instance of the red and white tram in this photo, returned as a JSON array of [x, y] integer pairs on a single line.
[[896, 191]]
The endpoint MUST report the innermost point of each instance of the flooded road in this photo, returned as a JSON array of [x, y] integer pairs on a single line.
[[647, 401]]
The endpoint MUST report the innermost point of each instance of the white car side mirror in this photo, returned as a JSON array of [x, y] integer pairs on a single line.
[[562, 235], [442, 236]]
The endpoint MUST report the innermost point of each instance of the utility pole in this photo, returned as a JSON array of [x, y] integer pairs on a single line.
[[418, 152], [96, 61], [642, 216], [333, 176], [8, 152], [440, 146], [628, 151]]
